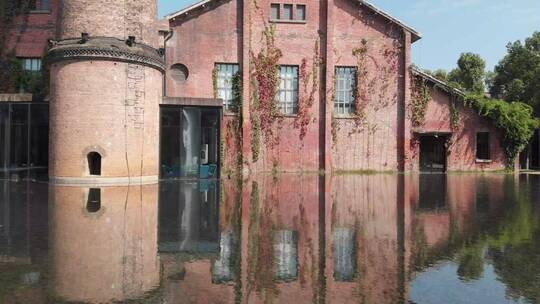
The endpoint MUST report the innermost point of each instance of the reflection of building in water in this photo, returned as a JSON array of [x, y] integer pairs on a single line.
[[200, 263], [286, 255], [189, 216], [106, 253], [23, 242], [222, 267], [362, 239], [344, 245], [334, 239], [23, 220]]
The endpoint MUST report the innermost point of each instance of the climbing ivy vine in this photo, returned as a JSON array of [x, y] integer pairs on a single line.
[[420, 95], [307, 95], [515, 120], [360, 97], [455, 114], [264, 112]]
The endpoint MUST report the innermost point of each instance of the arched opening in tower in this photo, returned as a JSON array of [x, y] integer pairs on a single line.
[[94, 163], [93, 204]]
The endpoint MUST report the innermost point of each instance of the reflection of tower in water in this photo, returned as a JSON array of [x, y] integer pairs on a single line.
[[103, 242]]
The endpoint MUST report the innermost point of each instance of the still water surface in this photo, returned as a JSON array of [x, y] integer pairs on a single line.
[[292, 239]]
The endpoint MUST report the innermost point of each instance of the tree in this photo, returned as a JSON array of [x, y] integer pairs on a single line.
[[518, 73], [470, 73]]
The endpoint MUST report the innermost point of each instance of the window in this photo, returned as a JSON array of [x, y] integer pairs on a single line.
[[31, 64], [300, 12], [226, 73], [94, 163], [287, 12], [288, 89], [274, 7], [40, 5], [179, 72], [345, 90], [482, 146], [44, 5]]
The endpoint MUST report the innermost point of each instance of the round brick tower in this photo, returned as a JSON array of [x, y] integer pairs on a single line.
[[106, 85]]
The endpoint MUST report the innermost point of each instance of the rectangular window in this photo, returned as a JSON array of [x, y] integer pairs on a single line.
[[287, 11], [345, 90], [39, 5], [300, 12], [288, 89], [31, 64], [274, 7], [226, 75], [482, 146], [45, 5]]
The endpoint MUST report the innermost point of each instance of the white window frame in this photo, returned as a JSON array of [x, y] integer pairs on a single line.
[[225, 73], [288, 89], [345, 90]]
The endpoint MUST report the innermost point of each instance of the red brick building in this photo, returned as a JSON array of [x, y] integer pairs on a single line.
[[343, 92], [337, 56], [23, 115]]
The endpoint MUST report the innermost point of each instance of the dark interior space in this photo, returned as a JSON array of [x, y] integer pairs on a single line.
[[190, 142], [24, 140], [94, 163], [433, 153]]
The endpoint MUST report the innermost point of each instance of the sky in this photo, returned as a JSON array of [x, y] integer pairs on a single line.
[[451, 27]]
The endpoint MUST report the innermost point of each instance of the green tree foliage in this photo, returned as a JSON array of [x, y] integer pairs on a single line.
[[518, 73], [470, 73]]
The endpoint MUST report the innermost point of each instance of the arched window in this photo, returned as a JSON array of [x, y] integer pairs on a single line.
[[94, 200], [179, 72], [94, 163]]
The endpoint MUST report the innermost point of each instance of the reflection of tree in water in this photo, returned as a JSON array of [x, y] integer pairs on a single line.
[[471, 263], [515, 251], [508, 238]]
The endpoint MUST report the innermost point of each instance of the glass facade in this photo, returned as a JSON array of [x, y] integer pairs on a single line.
[[190, 145], [24, 139]]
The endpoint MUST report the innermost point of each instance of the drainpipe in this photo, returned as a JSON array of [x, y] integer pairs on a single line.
[[167, 38]]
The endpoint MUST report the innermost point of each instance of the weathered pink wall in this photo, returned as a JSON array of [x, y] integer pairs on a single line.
[[462, 152], [383, 140], [372, 144]]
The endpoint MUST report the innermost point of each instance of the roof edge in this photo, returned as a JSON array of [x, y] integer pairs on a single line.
[[443, 84], [415, 34], [187, 9]]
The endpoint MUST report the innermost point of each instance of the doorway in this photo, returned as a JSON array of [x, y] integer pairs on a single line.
[[433, 153], [189, 142]]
